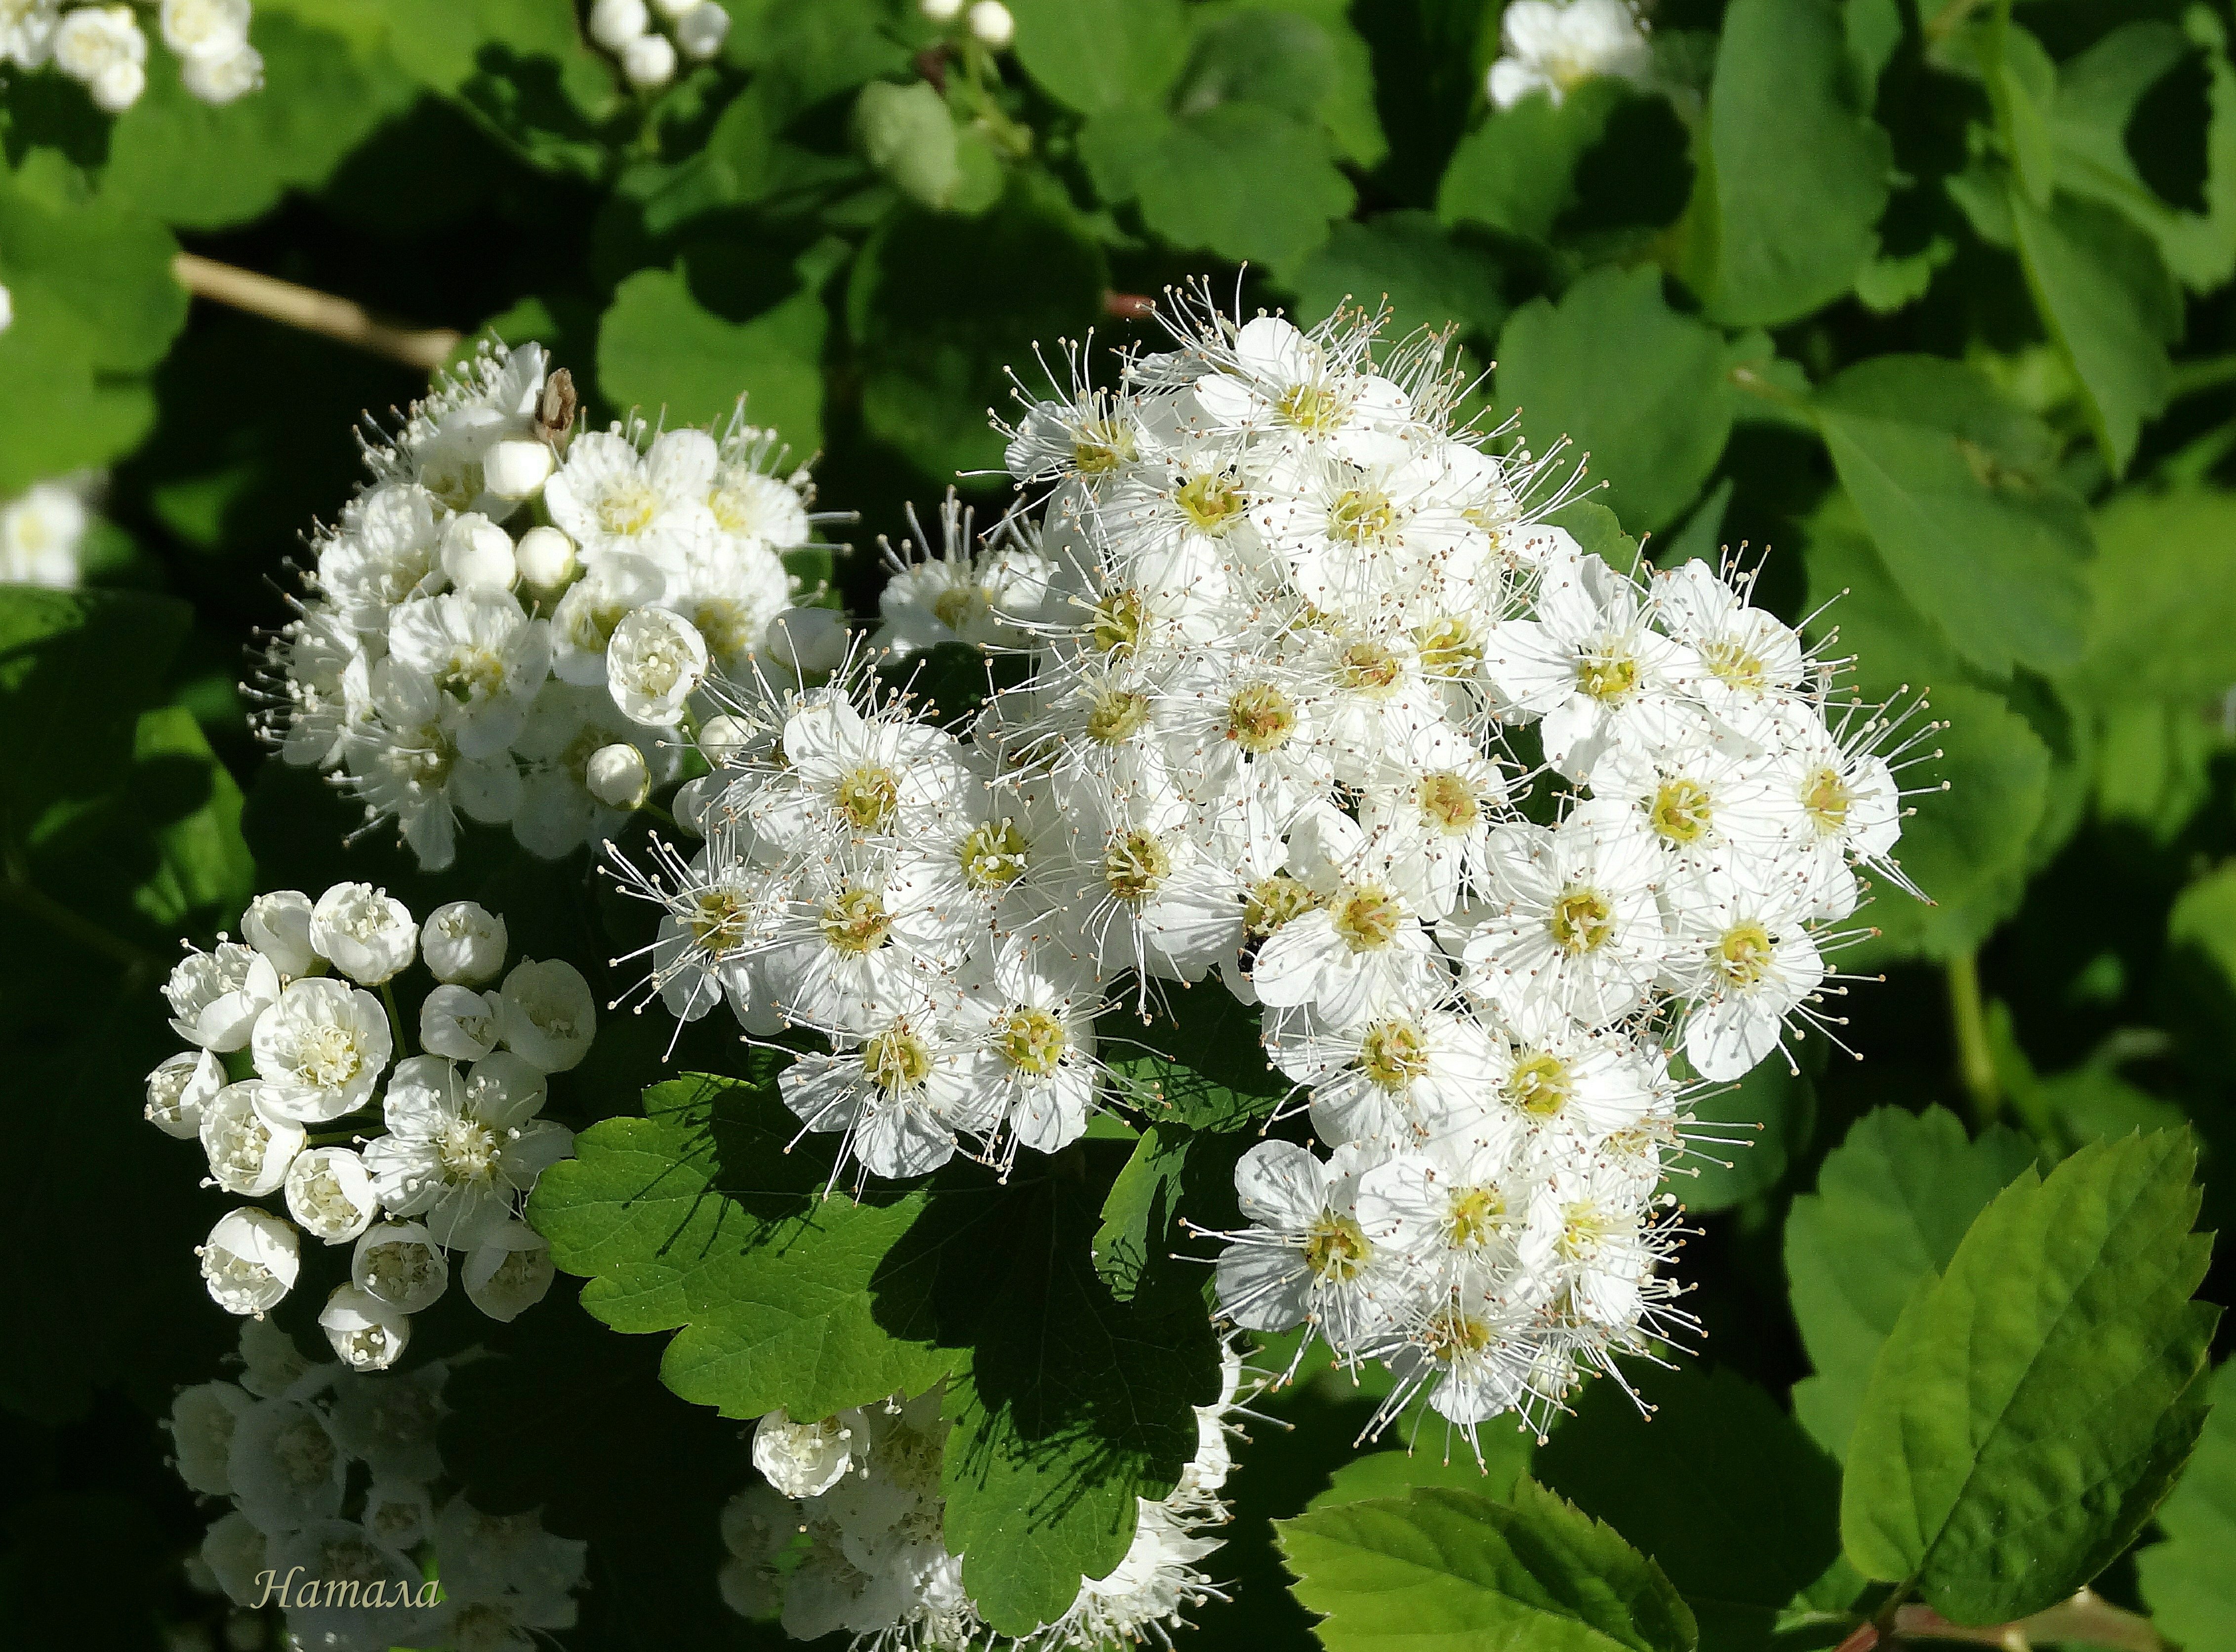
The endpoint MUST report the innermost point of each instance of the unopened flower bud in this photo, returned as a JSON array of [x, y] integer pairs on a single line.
[[724, 739], [546, 559], [810, 640], [991, 22], [618, 777], [517, 467], [649, 61], [941, 10], [702, 28], [477, 554], [463, 944], [367, 1333], [278, 924], [613, 23]]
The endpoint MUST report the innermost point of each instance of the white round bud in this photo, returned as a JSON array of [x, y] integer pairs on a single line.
[[702, 28], [464, 943], [457, 1022], [724, 739], [250, 1260], [477, 554], [278, 924], [991, 22], [367, 1333], [649, 61], [941, 10], [656, 661], [613, 23], [399, 1263], [810, 640], [546, 558], [618, 777], [368, 933], [517, 467], [118, 87]]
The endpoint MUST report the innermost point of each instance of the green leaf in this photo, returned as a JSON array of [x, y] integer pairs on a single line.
[[1445, 1571], [661, 350], [940, 307], [909, 136], [1303, 55], [1794, 176], [2162, 618], [1223, 1081], [2154, 765], [1639, 388], [1596, 531], [1070, 1407], [2204, 919], [2021, 84], [1409, 261], [183, 798], [1736, 1505], [1955, 487], [2111, 308], [1142, 1204], [697, 1219], [1092, 55], [1507, 1453], [2033, 1406], [2190, 1579], [1516, 173], [1757, 1125], [1239, 180], [525, 70], [1893, 1202]]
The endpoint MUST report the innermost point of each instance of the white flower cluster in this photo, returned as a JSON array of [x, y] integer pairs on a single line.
[[648, 57], [1312, 618], [338, 1517], [1554, 46], [103, 48], [285, 1045], [863, 1490], [40, 530], [987, 21], [451, 651]]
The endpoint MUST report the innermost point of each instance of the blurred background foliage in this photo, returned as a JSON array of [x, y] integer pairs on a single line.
[[1926, 301]]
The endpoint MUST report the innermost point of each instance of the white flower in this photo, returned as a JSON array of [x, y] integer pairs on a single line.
[[330, 1193], [1745, 962], [461, 1148], [1398, 1074], [400, 1264], [1842, 802], [179, 1089], [102, 47], [216, 997], [200, 1424], [613, 23], [583, 624], [618, 777], [609, 498], [222, 80], [484, 657], [898, 1095], [367, 1333], [204, 28], [547, 1015], [508, 1271], [324, 1046], [249, 1260], [1033, 1069], [1556, 45], [368, 933], [41, 531], [278, 924], [463, 944], [807, 1459], [286, 1468], [1307, 1260], [272, 1364], [649, 60], [458, 1022], [249, 1142], [992, 25], [27, 35], [654, 661], [402, 1514]]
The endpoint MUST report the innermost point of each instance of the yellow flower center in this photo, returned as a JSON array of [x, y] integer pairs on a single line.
[[1211, 501], [1361, 516], [1449, 802], [1393, 1054], [471, 675], [1115, 715], [958, 605], [628, 510], [1336, 1248], [1540, 1084], [1826, 799], [1314, 409], [1274, 901], [1368, 919], [993, 855], [1582, 920], [1744, 955], [1259, 718], [1448, 648], [1453, 1335], [896, 1060], [1584, 1228], [1368, 668], [1117, 621], [1682, 811], [1102, 445], [1736, 664], [1473, 1218], [1033, 1041], [855, 922], [1606, 672], [869, 795], [1134, 864], [718, 919]]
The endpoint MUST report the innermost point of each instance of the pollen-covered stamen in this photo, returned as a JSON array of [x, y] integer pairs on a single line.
[[1032, 1041], [1317, 409], [1453, 1335], [1608, 670], [1825, 799], [993, 855], [1733, 663], [1540, 1084], [1117, 620], [1103, 443], [1449, 647], [627, 509], [1134, 864], [960, 605], [1361, 516], [1260, 718], [718, 919], [1211, 501], [855, 922], [1274, 901], [471, 675], [1336, 1248], [1585, 1227], [398, 1271], [1581, 921], [1393, 1054], [1368, 917], [1743, 954], [1115, 715], [1682, 811], [1449, 802], [896, 1060], [467, 1150], [1368, 668], [1474, 1217], [869, 795]]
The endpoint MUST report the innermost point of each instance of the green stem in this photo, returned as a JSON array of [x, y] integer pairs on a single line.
[[1975, 1064], [395, 1019], [2210, 372]]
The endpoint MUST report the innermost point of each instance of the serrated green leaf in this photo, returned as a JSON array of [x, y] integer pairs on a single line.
[[1222, 1082], [907, 134], [1239, 180], [1092, 55], [1893, 1202], [1794, 176], [1735, 1503], [1955, 487], [2204, 920], [2162, 617], [1445, 1571], [2033, 1406], [1408, 261], [2190, 1578], [1516, 173], [1256, 42], [2111, 305], [696, 1219], [1139, 1211], [1507, 1454], [1070, 1407], [659, 349], [1639, 388], [184, 798]]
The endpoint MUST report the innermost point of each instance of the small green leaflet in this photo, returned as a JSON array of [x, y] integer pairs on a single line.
[[2190, 1579]]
